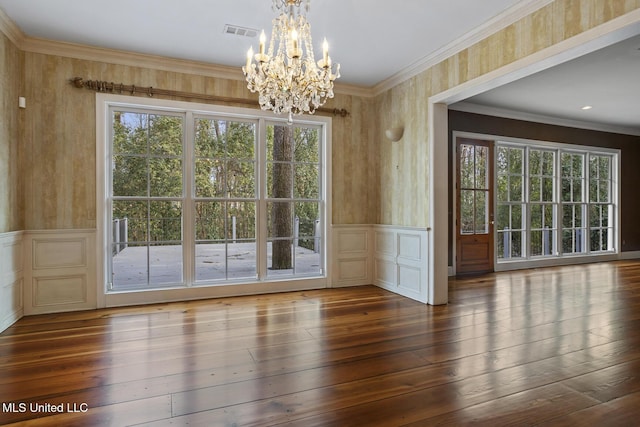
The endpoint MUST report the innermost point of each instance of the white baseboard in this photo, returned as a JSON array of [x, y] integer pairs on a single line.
[[629, 255]]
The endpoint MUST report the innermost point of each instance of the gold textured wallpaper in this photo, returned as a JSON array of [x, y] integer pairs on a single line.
[[60, 133], [10, 179]]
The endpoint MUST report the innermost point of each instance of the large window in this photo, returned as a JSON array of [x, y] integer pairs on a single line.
[[225, 199], [147, 199], [203, 199], [293, 201], [574, 230], [554, 201], [600, 203], [510, 224], [542, 202]]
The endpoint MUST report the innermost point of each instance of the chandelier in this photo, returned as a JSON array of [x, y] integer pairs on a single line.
[[286, 75]]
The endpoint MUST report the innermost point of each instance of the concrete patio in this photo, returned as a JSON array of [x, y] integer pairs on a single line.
[[213, 262]]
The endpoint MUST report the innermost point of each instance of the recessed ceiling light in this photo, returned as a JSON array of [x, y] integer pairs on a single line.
[[587, 107]]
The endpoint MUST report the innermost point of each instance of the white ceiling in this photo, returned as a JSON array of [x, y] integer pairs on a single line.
[[372, 40], [607, 79]]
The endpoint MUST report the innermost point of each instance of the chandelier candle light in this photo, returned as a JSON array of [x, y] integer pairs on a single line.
[[286, 76]]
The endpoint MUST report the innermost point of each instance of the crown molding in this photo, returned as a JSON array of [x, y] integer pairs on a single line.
[[468, 107], [353, 90], [492, 26], [11, 30], [121, 57]]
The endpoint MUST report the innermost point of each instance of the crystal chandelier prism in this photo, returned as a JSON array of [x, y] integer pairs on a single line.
[[286, 76]]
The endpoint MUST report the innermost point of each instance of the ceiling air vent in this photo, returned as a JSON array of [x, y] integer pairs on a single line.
[[240, 31]]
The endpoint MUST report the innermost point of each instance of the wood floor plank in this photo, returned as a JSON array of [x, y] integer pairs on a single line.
[[414, 394], [527, 408], [608, 383], [621, 412], [287, 384], [552, 346]]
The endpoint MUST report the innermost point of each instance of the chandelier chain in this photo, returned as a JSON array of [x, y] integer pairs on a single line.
[[284, 4]]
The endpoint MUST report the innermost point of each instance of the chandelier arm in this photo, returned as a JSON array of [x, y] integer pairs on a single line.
[[288, 79]]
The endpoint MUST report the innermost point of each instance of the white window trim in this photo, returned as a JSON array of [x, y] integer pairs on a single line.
[[544, 261], [112, 299]]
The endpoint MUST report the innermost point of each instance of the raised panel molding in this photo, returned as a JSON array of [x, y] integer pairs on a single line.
[[353, 269], [353, 241], [385, 242], [56, 290], [59, 253], [401, 260], [11, 278], [409, 278], [386, 274], [60, 271], [409, 246]]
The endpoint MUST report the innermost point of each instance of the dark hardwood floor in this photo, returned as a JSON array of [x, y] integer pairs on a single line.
[[552, 347]]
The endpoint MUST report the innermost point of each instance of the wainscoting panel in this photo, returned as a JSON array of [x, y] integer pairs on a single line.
[[59, 253], [386, 273], [401, 260], [58, 290], [352, 255], [11, 278], [61, 271], [385, 242]]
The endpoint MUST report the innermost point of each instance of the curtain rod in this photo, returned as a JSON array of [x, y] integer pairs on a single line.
[[111, 87]]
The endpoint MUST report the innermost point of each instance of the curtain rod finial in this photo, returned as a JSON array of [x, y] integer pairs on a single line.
[[77, 82]]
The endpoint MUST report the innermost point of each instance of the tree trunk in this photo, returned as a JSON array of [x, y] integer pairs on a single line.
[[281, 215]]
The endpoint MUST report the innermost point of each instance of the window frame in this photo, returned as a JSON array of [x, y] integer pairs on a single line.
[[189, 289], [557, 258], [558, 203], [149, 198], [266, 198], [226, 200], [511, 203]]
